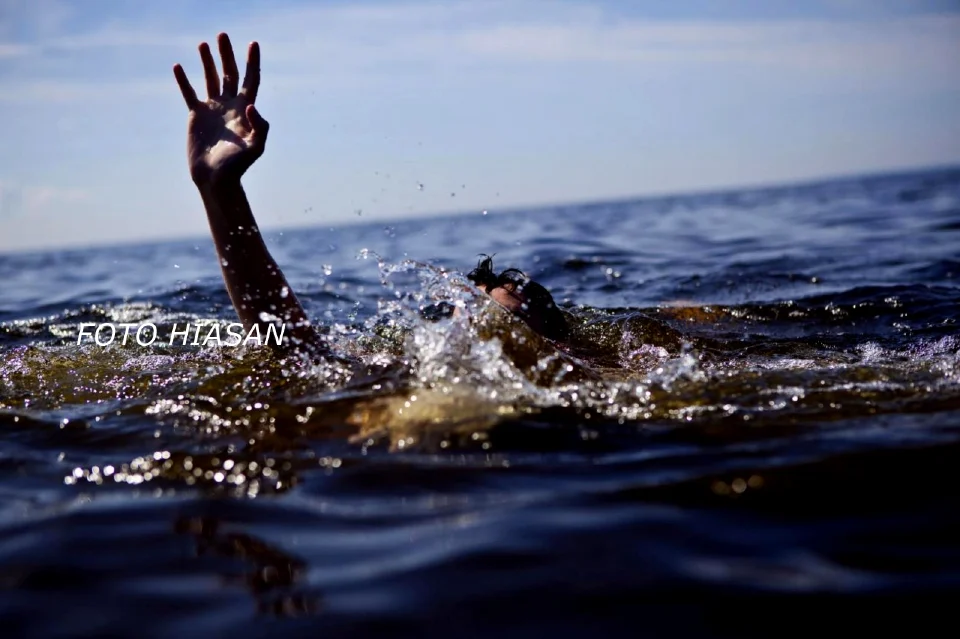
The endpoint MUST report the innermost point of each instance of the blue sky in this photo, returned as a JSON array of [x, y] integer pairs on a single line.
[[488, 104]]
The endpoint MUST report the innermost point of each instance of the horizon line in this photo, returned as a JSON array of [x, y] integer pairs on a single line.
[[515, 209]]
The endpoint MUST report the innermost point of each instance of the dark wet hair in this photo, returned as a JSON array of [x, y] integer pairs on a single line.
[[540, 311], [483, 275]]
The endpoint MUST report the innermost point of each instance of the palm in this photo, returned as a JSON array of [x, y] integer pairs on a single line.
[[219, 138], [225, 133]]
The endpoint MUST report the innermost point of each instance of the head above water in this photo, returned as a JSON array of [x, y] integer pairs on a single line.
[[523, 297]]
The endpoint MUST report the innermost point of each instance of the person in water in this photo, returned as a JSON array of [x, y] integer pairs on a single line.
[[226, 134]]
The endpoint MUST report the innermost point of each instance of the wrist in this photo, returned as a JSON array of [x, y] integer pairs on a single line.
[[215, 182], [226, 205]]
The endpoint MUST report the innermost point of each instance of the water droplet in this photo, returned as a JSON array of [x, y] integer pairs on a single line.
[[419, 186], [284, 292], [484, 211]]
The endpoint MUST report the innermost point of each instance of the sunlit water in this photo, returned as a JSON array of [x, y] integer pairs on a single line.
[[761, 405]]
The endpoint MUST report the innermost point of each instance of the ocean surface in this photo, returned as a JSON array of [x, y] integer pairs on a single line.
[[758, 419]]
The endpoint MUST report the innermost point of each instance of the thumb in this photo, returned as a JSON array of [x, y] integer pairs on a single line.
[[260, 126]]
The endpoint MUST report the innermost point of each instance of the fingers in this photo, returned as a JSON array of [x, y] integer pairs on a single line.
[[231, 76], [189, 95], [251, 79], [210, 71], [260, 126]]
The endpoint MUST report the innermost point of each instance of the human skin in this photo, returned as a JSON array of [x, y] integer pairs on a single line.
[[226, 135]]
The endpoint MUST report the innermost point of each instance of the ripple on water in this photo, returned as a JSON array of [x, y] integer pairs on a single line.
[[743, 414]]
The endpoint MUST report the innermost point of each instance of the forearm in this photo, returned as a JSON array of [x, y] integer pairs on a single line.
[[256, 285]]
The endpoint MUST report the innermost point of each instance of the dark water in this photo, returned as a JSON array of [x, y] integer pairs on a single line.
[[761, 412]]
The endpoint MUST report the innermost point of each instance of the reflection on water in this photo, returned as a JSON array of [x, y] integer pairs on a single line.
[[760, 397], [270, 574]]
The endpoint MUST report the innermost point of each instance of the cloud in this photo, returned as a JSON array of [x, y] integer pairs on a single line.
[[504, 94], [34, 18], [13, 50], [347, 42], [17, 200], [806, 43], [73, 91], [11, 201], [364, 38]]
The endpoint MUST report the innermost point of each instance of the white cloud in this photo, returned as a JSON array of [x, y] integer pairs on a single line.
[[38, 17], [360, 38], [11, 201], [36, 198], [926, 39], [363, 38], [18, 200], [13, 50], [69, 90], [118, 37], [758, 100]]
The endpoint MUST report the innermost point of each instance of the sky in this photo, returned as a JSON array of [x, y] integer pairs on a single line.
[[387, 109]]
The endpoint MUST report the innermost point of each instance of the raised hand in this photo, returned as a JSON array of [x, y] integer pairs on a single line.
[[225, 133]]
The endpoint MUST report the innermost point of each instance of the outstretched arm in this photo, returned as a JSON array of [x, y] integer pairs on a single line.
[[225, 136]]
